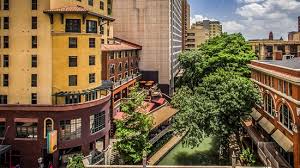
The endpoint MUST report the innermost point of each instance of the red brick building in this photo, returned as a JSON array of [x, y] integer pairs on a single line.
[[275, 122], [120, 65]]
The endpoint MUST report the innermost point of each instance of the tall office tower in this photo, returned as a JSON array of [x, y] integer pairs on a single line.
[[186, 25], [51, 78], [157, 26], [200, 32]]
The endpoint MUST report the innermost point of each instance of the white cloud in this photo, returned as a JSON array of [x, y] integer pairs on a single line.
[[197, 18], [233, 27], [259, 17]]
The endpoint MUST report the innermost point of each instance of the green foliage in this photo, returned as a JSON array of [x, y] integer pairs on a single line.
[[247, 157], [133, 131], [75, 161], [216, 93], [230, 52]]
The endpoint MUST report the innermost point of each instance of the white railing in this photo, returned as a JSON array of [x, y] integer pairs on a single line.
[[127, 79]]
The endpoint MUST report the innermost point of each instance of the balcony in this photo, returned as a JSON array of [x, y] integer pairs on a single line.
[[127, 79], [81, 97]]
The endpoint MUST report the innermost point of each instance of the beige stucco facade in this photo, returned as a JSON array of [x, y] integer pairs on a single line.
[[155, 25], [52, 50], [200, 32]]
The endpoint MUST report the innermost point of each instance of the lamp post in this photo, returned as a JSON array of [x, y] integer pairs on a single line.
[[234, 159], [144, 159]]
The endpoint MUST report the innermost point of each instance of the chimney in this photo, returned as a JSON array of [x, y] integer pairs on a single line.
[[271, 36]]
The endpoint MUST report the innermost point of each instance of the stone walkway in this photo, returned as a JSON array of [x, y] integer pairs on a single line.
[[164, 150]]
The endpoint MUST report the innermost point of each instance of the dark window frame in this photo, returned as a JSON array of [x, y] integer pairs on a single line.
[[73, 80], [92, 42], [34, 79], [34, 61], [92, 78], [5, 80], [6, 61], [5, 41], [33, 4], [34, 98], [73, 61], [92, 60], [73, 42], [23, 131], [73, 25], [34, 42], [6, 5], [6, 23], [91, 26], [34, 22]]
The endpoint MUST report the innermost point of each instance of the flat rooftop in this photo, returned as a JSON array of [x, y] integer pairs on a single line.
[[290, 63]]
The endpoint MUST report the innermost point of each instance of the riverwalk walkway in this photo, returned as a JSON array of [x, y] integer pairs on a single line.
[[164, 150]]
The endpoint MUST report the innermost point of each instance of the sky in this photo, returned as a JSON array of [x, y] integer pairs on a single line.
[[253, 18]]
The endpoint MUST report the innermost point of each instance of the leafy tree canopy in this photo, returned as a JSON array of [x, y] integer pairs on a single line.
[[230, 52], [216, 93], [75, 161], [133, 131]]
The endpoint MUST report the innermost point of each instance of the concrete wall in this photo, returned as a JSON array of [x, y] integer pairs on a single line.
[[148, 23]]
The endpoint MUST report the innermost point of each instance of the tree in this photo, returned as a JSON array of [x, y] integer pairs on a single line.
[[216, 107], [247, 157], [216, 93], [229, 52], [133, 130], [75, 161]]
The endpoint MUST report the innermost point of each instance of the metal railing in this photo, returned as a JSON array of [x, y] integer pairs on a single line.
[[268, 154], [127, 79], [161, 134]]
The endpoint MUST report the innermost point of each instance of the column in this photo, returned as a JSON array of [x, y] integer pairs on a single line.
[[287, 49], [275, 50], [262, 53]]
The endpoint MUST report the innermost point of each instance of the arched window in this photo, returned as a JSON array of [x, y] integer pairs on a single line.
[[286, 116], [269, 104], [48, 126]]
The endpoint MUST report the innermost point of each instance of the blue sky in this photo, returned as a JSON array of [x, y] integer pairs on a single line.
[[253, 18]]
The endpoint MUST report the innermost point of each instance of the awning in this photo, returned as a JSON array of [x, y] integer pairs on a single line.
[[283, 141], [162, 115], [266, 125], [255, 114]]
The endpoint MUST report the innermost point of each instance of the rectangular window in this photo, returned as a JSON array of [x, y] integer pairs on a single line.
[[72, 80], [26, 130], [72, 61], [5, 61], [101, 5], [91, 26], [70, 129], [92, 60], [34, 4], [290, 89], [33, 98], [6, 23], [34, 22], [92, 42], [97, 122], [6, 5], [33, 80], [2, 129], [34, 61], [92, 78], [73, 25], [5, 80], [284, 87], [3, 99], [34, 41], [72, 42], [280, 85], [5, 42], [91, 2], [112, 69]]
